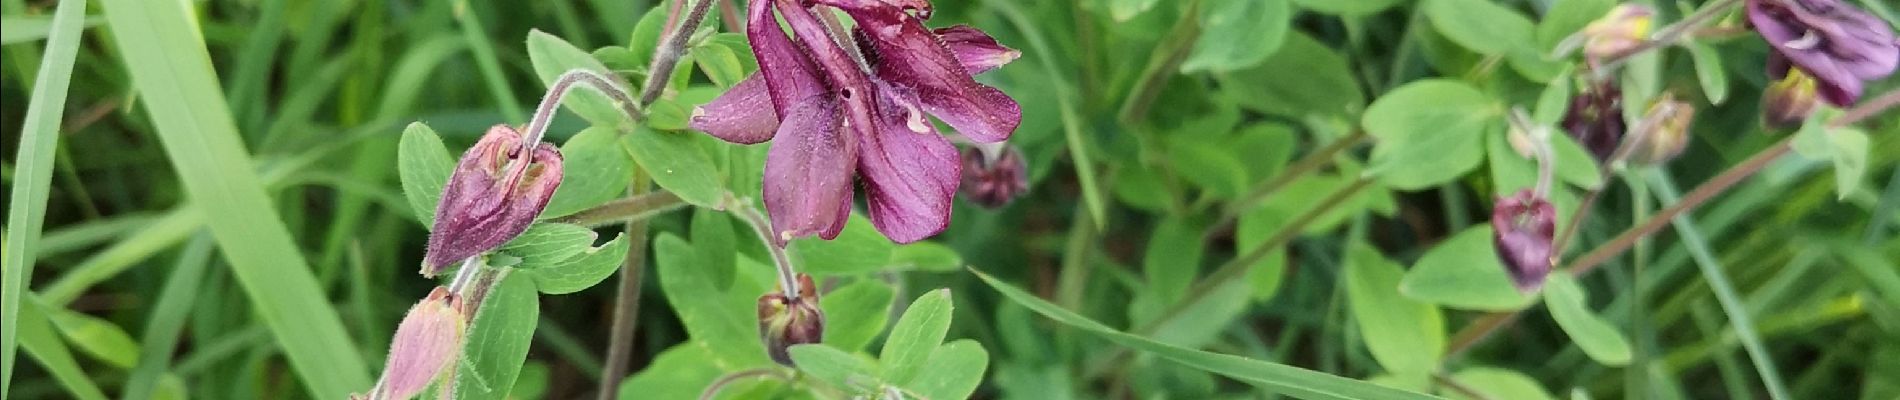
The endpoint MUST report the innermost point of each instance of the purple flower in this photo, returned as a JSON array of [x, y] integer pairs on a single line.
[[1523, 226], [1595, 119], [426, 343], [1840, 46], [834, 122], [1790, 98], [496, 191], [784, 321], [994, 178]]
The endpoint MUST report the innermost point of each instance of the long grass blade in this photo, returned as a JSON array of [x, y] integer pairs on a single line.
[[168, 318], [39, 138], [201, 139], [43, 343]]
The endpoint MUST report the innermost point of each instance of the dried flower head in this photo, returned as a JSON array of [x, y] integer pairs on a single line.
[[1663, 132], [495, 193], [1523, 226], [993, 177], [786, 321]]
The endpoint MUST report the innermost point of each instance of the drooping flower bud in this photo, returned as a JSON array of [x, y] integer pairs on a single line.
[[495, 193], [1664, 131], [1791, 98], [994, 178], [1622, 29], [1840, 46], [1523, 226], [786, 321], [426, 343], [1595, 119]]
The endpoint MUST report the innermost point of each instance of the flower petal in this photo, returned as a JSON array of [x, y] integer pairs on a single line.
[[975, 50], [789, 75], [743, 115], [909, 56], [808, 172], [910, 176], [494, 194]]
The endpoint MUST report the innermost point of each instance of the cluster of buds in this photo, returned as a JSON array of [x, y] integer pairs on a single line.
[[993, 176], [792, 319], [498, 188], [1523, 226], [427, 343]]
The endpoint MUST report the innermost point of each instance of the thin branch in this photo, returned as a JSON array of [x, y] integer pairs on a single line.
[[626, 314], [1669, 35], [1310, 163], [712, 391], [629, 209], [538, 125], [667, 56], [787, 273]]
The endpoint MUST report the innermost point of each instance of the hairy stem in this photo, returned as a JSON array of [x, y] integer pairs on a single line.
[[667, 56], [787, 274], [626, 312], [544, 113]]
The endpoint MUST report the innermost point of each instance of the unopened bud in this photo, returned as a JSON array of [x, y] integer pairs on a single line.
[[495, 193], [993, 178], [1789, 100], [786, 321], [1621, 30], [1595, 119], [426, 343], [1523, 226], [1665, 132]]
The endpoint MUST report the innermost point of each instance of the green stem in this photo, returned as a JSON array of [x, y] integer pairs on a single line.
[[1163, 63], [629, 209], [1312, 162]]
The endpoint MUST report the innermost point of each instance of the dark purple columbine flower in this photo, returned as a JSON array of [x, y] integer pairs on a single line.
[[833, 122], [496, 191], [994, 178], [784, 321], [1523, 226], [1840, 46], [1595, 119]]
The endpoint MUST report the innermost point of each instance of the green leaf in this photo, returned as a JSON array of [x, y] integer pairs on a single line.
[[27, 28], [31, 183], [498, 339], [1708, 71], [1569, 305], [668, 115], [833, 366], [917, 333], [1405, 336], [1511, 171], [1273, 377], [717, 244], [680, 372], [200, 138], [1172, 260], [856, 313], [725, 320], [720, 64], [1347, 7], [96, 337], [1430, 132], [1498, 383], [1565, 18], [956, 368], [858, 249], [1123, 10], [1850, 159], [646, 36], [1463, 272], [1324, 86], [925, 256], [42, 343], [1238, 34], [1480, 25], [545, 244], [678, 164], [582, 271], [424, 164], [1252, 231], [1554, 101], [1209, 165], [552, 57], [594, 170]]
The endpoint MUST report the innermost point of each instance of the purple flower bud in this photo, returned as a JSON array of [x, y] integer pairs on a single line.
[[1664, 131], [1622, 29], [496, 191], [426, 343], [1523, 226], [1791, 98], [1838, 45], [1595, 119], [784, 322], [994, 178]]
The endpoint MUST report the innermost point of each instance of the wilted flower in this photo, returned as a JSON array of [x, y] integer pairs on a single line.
[[1595, 119], [785, 321], [1792, 96], [1838, 45], [426, 343], [1523, 226], [1664, 131], [1622, 29], [992, 177], [496, 191], [833, 121]]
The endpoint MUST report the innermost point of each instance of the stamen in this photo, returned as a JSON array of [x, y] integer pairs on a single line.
[[1807, 41]]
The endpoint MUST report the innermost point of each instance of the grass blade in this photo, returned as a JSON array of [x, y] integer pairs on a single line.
[[201, 138], [39, 138], [1725, 294], [168, 318], [41, 342]]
